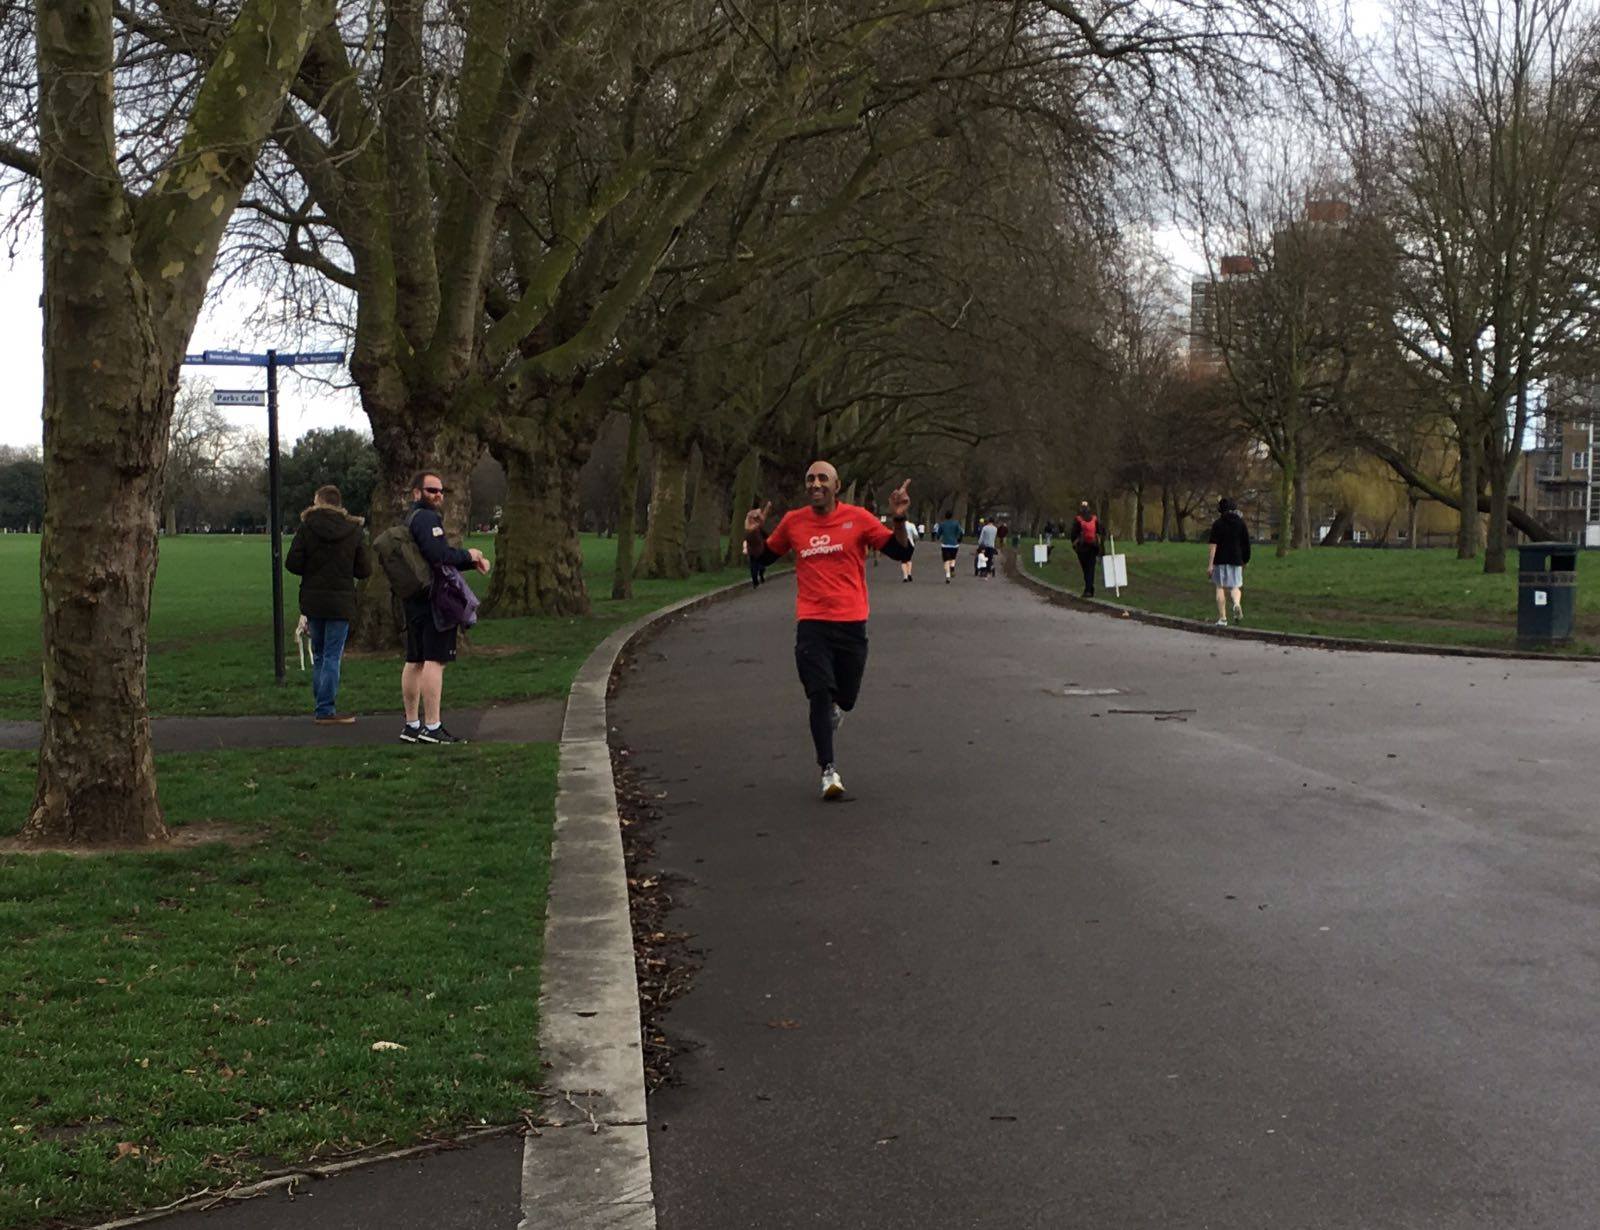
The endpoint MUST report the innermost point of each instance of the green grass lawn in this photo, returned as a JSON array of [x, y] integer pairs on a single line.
[[211, 634], [216, 1007], [1417, 596]]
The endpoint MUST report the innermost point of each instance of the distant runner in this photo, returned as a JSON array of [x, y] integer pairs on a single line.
[[905, 564], [830, 542], [948, 532]]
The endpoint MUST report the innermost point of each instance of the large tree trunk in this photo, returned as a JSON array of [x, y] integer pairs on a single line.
[[538, 557], [1494, 554], [628, 508], [123, 283], [1286, 527], [105, 417], [744, 497], [664, 554], [1302, 505], [1138, 513], [455, 456], [406, 441], [1166, 513], [1467, 533], [1342, 519], [703, 546]]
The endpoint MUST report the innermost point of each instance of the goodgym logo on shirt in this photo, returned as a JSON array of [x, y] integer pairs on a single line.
[[821, 544]]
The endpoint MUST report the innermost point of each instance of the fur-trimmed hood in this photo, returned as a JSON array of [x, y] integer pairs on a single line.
[[330, 521]]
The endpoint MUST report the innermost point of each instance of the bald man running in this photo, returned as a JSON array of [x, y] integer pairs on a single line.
[[830, 542]]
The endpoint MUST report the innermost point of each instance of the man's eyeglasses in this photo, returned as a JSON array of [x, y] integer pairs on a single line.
[[436, 490]]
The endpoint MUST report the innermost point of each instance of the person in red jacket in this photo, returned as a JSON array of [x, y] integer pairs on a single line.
[[830, 541], [1087, 542]]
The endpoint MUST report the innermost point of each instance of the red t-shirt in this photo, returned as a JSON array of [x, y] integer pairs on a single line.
[[830, 556]]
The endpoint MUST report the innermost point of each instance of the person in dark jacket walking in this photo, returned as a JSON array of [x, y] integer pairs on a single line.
[[1087, 542], [428, 648], [1229, 553], [329, 554]]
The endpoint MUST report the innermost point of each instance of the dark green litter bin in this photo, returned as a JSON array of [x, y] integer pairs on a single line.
[[1547, 593]]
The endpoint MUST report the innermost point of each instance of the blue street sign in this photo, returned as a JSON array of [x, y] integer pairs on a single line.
[[194, 358], [306, 357], [234, 358]]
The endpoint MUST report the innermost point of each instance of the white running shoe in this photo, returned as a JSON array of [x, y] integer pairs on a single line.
[[1222, 623], [1238, 614], [832, 784]]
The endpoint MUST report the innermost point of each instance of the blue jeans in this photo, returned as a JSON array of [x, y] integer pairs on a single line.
[[327, 647]]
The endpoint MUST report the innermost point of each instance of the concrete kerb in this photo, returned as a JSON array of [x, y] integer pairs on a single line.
[[1065, 597], [589, 1167]]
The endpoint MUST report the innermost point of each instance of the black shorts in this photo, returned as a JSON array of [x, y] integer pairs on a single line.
[[949, 552], [424, 641], [831, 658]]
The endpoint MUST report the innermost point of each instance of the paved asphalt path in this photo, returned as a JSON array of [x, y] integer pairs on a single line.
[[534, 721], [478, 1187], [1314, 947]]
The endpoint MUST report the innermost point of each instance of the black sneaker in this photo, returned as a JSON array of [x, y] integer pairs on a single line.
[[437, 734], [410, 734]]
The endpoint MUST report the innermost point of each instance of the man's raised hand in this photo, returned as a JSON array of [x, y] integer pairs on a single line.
[[900, 499], [756, 518]]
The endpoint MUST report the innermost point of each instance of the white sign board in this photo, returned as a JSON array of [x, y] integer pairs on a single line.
[[1041, 554], [238, 397], [1116, 570], [1541, 598]]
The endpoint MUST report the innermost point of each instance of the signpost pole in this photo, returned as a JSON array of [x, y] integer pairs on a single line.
[[272, 515], [272, 360]]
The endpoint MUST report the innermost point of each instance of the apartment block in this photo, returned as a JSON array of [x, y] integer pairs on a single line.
[[1559, 483]]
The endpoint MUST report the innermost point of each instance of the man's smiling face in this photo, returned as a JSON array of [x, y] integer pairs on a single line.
[[822, 485]]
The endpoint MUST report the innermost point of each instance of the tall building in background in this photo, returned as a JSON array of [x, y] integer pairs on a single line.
[[1559, 483], [1204, 357], [1320, 214]]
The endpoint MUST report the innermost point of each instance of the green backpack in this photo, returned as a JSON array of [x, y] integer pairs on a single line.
[[401, 559]]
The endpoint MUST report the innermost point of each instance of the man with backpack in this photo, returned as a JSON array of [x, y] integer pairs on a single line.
[[1086, 541], [328, 554], [428, 647]]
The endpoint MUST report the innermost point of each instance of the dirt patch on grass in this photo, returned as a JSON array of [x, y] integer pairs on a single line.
[[184, 837]]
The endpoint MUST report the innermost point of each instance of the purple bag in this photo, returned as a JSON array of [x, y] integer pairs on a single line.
[[454, 603]]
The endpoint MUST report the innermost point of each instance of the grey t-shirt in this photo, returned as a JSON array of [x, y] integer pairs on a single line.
[[987, 535]]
